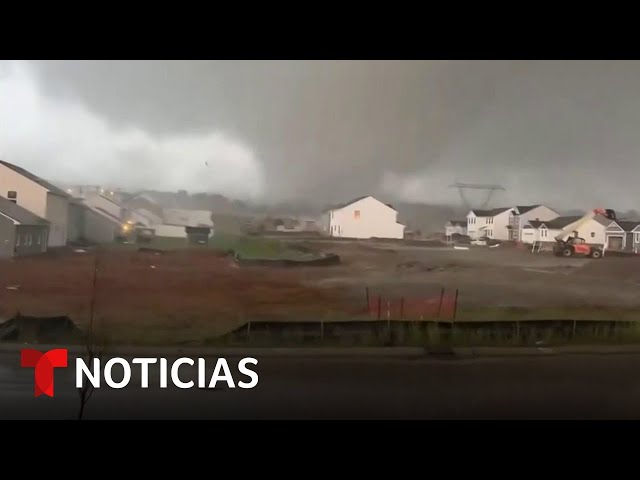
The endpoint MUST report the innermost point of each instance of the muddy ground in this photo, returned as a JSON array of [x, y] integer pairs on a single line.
[[485, 277], [197, 294]]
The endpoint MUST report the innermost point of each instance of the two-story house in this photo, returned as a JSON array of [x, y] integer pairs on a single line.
[[489, 223], [520, 216], [39, 197], [364, 217]]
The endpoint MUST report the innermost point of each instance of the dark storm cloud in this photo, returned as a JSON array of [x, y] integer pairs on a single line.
[[562, 132]]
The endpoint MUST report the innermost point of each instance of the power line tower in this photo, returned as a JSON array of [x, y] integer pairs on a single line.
[[463, 187]]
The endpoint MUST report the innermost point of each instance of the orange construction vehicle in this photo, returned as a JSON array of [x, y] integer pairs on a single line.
[[568, 245]]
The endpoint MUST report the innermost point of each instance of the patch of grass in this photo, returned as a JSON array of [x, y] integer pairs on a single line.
[[550, 313], [246, 246]]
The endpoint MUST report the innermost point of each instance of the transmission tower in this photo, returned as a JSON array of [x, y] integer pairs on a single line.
[[490, 189]]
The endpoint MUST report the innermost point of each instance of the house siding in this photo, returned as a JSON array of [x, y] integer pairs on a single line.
[[30, 195], [33, 239], [374, 220], [57, 212], [7, 236], [518, 222], [173, 231]]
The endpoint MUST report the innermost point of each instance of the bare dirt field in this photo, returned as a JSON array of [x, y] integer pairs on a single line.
[[175, 294], [189, 294], [485, 277]]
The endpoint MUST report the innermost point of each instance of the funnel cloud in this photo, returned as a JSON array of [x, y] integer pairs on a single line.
[[558, 132]]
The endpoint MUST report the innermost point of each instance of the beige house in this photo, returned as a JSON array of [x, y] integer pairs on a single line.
[[364, 217], [39, 197]]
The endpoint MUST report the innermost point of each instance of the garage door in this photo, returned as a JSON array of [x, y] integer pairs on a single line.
[[614, 243]]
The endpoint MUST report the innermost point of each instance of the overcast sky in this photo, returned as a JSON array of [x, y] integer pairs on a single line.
[[561, 132]]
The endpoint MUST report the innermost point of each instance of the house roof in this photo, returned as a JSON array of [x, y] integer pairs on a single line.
[[626, 225], [490, 213], [20, 214], [351, 202], [458, 223], [49, 186], [525, 208], [556, 223]]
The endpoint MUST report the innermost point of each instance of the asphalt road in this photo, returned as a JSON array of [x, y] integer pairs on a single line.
[[538, 387]]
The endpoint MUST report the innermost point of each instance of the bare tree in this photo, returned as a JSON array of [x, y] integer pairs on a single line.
[[93, 348]]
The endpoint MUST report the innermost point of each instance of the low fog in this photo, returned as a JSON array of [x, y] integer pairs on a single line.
[[559, 132]]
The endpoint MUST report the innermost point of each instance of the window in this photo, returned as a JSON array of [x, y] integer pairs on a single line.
[[13, 196], [17, 240], [356, 214], [28, 240], [637, 237], [38, 239], [593, 234], [543, 233]]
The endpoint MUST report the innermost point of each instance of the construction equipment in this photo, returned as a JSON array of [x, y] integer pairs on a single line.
[[568, 246]]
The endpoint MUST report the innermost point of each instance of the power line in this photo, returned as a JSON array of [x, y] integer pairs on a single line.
[[490, 188]]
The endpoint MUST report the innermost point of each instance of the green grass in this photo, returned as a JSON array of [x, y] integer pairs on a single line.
[[548, 313], [245, 246]]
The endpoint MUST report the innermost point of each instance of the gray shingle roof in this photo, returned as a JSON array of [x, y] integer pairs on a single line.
[[49, 186], [525, 208], [627, 225], [20, 214], [490, 213], [556, 223]]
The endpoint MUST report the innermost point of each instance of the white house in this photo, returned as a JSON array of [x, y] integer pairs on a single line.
[[593, 231], [521, 214], [489, 223], [172, 223], [455, 227], [187, 218], [39, 197], [105, 204], [364, 217], [91, 224]]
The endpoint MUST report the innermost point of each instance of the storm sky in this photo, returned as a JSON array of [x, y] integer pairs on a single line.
[[566, 133]]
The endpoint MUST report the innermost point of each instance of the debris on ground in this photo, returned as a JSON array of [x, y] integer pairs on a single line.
[[80, 250], [13, 287]]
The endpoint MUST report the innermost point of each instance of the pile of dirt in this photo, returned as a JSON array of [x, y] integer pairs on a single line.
[[39, 330]]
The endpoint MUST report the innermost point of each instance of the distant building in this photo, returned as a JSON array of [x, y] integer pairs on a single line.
[[455, 227], [38, 196], [364, 217], [92, 225], [21, 232]]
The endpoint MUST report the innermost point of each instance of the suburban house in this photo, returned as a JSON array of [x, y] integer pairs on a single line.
[[489, 223], [21, 232], [592, 231], [193, 225], [520, 215], [39, 197], [106, 204], [364, 217], [623, 236], [87, 224], [455, 227]]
